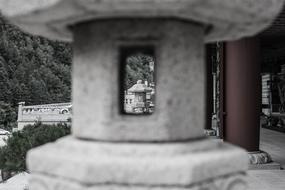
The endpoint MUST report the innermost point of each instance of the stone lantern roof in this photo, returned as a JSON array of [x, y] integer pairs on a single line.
[[223, 19], [139, 87]]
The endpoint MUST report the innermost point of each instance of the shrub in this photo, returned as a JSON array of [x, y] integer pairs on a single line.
[[13, 154], [8, 116]]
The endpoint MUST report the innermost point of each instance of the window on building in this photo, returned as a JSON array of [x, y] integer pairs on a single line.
[[137, 79]]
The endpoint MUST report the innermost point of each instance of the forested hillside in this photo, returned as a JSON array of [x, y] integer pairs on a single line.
[[32, 69], [138, 68]]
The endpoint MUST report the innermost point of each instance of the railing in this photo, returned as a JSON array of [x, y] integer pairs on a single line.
[[46, 113], [61, 108]]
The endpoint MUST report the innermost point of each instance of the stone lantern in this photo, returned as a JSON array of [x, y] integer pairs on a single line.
[[109, 149]]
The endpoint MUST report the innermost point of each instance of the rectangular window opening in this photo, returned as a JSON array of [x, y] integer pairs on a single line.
[[137, 80]]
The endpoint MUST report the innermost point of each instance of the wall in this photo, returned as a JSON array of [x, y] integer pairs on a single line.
[[47, 114]]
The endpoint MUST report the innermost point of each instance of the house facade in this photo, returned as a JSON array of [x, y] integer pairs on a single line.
[[45, 113]]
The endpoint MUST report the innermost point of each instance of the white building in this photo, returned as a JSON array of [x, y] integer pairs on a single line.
[[45, 113]]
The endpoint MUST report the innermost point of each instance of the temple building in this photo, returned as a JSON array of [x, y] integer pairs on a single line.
[[139, 98]]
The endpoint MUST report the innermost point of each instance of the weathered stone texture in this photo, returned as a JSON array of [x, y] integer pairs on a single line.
[[259, 157], [235, 181], [92, 163], [179, 102], [223, 19]]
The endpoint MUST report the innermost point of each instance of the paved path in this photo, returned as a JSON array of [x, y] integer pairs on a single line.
[[266, 180], [273, 143]]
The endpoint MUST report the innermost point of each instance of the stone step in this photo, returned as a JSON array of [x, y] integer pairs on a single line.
[[266, 179], [268, 166]]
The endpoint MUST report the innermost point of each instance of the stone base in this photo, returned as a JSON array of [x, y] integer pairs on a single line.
[[43, 182], [268, 166], [259, 157], [76, 164], [210, 132]]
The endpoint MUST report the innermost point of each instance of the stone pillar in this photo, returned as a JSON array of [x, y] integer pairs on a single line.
[[172, 90], [209, 131], [125, 151], [164, 150], [243, 97]]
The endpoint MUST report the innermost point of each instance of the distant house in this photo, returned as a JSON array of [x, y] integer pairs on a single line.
[[46, 113], [139, 98]]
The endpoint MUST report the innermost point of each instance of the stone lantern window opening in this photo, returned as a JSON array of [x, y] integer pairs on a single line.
[[137, 78]]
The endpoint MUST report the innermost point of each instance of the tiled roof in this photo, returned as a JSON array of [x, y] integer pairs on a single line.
[[139, 87]]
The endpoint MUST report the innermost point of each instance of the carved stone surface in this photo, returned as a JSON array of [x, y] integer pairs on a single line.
[[179, 111], [235, 181], [223, 19], [151, 164], [259, 157]]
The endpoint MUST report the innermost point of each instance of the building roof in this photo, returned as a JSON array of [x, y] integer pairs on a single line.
[[139, 87], [222, 19]]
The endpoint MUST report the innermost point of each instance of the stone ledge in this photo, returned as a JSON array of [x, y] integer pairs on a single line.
[[97, 166], [225, 19], [259, 157], [135, 149], [268, 166], [236, 181]]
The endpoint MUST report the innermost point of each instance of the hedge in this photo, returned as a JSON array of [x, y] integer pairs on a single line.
[[13, 154]]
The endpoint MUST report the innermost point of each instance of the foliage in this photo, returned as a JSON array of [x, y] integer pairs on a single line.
[[8, 116], [33, 69], [36, 70], [138, 68], [13, 154]]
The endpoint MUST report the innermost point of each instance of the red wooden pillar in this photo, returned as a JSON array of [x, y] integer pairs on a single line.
[[242, 93]]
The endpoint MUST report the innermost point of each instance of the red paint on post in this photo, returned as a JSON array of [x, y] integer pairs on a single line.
[[242, 93]]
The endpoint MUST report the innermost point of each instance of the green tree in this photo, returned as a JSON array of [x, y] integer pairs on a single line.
[[8, 116], [138, 68], [13, 154], [4, 80], [33, 69]]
